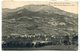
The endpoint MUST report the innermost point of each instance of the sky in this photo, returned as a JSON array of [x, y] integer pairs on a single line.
[[66, 6]]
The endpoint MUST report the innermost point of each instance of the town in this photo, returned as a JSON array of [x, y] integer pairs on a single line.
[[37, 40]]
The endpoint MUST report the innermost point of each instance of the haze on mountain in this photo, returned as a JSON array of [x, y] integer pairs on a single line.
[[38, 19]]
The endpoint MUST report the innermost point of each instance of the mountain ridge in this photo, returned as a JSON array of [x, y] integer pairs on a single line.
[[39, 19]]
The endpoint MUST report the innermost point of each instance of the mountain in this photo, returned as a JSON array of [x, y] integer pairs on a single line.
[[38, 19]]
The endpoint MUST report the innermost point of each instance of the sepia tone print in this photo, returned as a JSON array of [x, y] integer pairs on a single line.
[[39, 25]]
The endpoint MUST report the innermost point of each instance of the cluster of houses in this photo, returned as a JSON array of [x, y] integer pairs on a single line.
[[38, 40]]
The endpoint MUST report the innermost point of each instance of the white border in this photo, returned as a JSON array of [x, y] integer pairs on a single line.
[[79, 25], [46, 0], [0, 25], [39, 50]]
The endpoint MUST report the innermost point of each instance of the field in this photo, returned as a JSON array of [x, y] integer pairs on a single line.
[[50, 47]]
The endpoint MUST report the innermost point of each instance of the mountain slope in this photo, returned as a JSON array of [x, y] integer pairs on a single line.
[[39, 19]]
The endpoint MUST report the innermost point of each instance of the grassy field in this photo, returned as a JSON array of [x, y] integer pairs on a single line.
[[49, 47]]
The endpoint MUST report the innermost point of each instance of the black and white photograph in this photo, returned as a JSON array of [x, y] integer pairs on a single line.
[[39, 25]]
